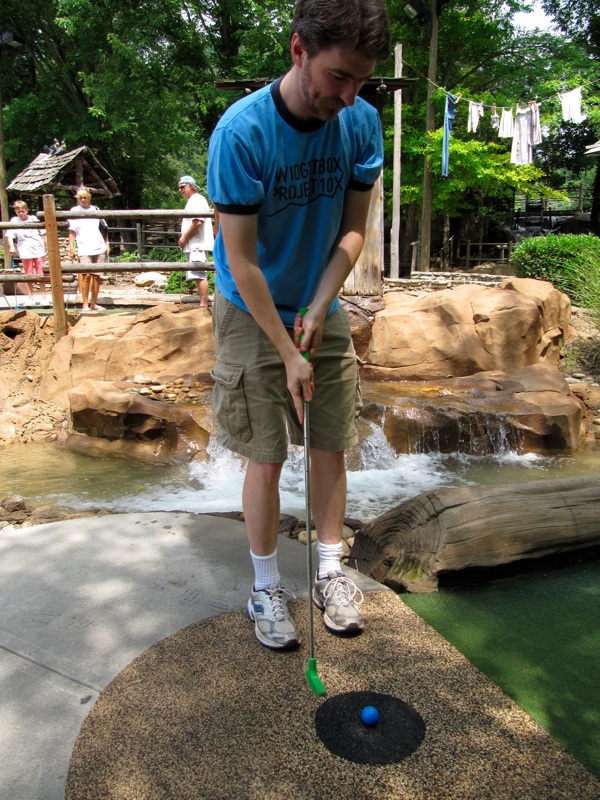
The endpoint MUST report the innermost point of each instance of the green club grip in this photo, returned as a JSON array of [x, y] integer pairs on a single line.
[[306, 355]]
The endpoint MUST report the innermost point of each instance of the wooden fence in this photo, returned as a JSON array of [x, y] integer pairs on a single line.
[[52, 220]]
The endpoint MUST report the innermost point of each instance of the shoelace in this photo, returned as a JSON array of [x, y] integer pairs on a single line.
[[343, 591], [276, 599]]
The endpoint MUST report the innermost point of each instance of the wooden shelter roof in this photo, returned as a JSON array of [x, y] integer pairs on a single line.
[[373, 90], [64, 173], [372, 86]]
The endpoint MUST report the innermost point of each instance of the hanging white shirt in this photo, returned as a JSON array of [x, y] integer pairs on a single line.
[[536, 128], [571, 105], [507, 124], [475, 113], [522, 143]]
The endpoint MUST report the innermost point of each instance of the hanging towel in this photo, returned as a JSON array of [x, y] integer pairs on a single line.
[[449, 114], [475, 113], [522, 143], [571, 105], [507, 124]]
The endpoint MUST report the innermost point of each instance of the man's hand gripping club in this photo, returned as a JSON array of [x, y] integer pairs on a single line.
[[301, 384]]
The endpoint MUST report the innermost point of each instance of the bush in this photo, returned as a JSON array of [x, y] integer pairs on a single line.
[[125, 258], [166, 254], [177, 284], [570, 262]]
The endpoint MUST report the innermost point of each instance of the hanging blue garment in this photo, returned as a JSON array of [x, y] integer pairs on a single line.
[[449, 114]]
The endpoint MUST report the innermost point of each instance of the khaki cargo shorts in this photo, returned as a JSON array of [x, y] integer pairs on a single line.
[[255, 415]]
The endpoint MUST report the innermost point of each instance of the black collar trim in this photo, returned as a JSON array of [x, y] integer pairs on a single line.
[[302, 125]]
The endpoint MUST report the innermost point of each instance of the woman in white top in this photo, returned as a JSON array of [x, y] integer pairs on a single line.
[[92, 247], [30, 243]]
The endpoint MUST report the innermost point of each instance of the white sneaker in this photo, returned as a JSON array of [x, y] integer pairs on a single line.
[[273, 625], [335, 596]]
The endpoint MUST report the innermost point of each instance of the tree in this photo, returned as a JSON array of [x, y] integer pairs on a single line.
[[134, 83], [482, 56], [580, 21]]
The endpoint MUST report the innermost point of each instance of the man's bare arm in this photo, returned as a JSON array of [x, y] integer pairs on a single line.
[[194, 227], [341, 263]]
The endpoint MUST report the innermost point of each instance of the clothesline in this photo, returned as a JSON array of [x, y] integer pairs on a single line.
[[461, 96], [523, 126]]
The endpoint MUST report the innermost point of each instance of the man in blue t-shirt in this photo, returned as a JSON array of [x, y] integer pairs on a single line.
[[290, 172]]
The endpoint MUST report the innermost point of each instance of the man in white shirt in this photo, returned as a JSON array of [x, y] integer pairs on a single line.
[[196, 234]]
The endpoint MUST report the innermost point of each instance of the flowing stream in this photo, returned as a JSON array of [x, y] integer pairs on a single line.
[[378, 479]]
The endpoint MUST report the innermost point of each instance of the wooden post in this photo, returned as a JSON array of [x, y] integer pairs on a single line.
[[56, 284], [140, 242], [468, 257], [425, 261], [395, 235], [365, 278], [413, 259]]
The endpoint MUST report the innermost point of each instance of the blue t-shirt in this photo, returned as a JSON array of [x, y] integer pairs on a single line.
[[294, 175]]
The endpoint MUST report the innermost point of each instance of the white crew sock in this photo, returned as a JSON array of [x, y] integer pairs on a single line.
[[329, 558], [266, 570]]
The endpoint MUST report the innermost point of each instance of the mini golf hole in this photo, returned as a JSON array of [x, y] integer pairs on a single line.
[[398, 732]]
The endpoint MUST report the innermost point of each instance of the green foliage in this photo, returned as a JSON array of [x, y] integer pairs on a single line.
[[482, 56], [125, 258], [177, 284], [570, 262], [477, 170], [136, 84], [166, 254]]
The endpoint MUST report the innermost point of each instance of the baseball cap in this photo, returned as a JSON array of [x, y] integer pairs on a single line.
[[187, 179]]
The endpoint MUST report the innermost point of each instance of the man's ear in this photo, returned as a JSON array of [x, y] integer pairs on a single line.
[[298, 50]]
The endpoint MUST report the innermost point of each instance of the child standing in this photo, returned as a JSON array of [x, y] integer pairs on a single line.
[[30, 243]]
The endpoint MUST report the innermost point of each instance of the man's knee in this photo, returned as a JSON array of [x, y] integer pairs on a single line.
[[269, 474]]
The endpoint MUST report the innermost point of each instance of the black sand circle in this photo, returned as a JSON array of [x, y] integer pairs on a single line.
[[397, 734]]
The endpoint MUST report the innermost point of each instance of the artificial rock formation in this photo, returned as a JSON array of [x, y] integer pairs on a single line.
[[448, 530], [136, 385], [523, 410], [469, 329], [162, 343], [26, 342], [118, 419], [469, 369]]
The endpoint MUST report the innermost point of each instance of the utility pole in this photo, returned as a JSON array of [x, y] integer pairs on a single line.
[[395, 234], [425, 263]]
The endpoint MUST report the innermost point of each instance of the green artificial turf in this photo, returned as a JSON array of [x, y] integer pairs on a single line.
[[537, 636]]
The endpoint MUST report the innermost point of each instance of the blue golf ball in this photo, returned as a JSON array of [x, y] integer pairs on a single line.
[[369, 716]]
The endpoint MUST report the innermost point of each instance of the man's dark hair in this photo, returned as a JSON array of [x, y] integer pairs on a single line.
[[355, 25]]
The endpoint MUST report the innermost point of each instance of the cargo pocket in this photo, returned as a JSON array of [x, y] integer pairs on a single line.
[[229, 401]]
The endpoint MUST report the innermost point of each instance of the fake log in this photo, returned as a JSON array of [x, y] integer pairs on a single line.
[[476, 526]]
